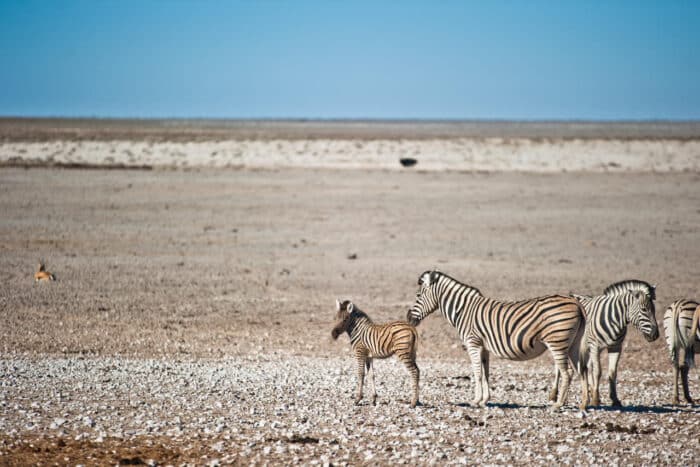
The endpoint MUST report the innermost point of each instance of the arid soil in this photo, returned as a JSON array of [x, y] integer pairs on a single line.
[[190, 319]]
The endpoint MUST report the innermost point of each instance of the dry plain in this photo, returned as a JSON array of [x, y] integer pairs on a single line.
[[190, 319]]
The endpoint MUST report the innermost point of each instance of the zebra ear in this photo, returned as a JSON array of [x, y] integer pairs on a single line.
[[350, 307], [337, 305], [423, 278], [433, 276]]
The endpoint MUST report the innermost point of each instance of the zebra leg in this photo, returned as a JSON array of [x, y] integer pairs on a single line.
[[474, 351], [585, 396], [555, 386], [361, 362], [595, 375], [415, 376], [561, 360], [409, 359], [613, 360], [416, 382], [370, 373], [683, 363], [485, 392], [675, 383], [684, 380]]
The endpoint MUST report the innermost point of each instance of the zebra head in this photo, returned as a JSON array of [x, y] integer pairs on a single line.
[[426, 298], [342, 317], [641, 313]]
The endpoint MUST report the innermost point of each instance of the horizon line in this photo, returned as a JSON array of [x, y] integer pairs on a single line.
[[357, 119]]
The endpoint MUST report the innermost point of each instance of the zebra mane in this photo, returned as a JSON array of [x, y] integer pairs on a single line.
[[631, 284], [356, 312], [438, 273]]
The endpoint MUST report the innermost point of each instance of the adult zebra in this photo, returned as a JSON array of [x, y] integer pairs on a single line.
[[607, 317], [518, 330], [681, 343]]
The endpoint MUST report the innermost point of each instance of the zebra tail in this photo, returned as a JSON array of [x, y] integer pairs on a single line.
[[583, 351], [578, 352], [671, 325]]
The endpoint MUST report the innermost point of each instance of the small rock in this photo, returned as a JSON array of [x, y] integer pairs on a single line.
[[218, 447], [57, 423]]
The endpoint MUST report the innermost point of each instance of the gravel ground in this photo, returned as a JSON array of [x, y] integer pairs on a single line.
[[276, 409], [192, 311]]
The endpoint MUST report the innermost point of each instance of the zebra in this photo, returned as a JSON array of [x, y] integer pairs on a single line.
[[370, 341], [607, 317], [678, 322], [519, 330]]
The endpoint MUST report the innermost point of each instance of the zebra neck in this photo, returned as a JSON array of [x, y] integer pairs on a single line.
[[358, 328], [626, 318], [616, 320], [453, 306]]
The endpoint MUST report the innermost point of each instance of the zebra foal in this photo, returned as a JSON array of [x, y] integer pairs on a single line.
[[370, 341], [607, 317], [683, 340], [519, 330]]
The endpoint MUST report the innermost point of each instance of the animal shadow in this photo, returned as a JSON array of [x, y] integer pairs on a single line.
[[502, 405], [657, 409]]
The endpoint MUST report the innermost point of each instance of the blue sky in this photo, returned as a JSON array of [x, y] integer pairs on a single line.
[[333, 59]]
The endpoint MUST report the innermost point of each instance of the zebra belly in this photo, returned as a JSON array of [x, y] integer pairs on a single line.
[[380, 354], [519, 355]]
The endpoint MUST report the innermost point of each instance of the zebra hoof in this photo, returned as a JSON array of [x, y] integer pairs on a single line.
[[555, 407]]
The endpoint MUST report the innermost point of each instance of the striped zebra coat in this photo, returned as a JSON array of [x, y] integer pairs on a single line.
[[607, 317], [519, 330], [682, 345], [370, 341]]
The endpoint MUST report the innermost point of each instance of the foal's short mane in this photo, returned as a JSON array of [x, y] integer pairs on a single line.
[[356, 312]]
